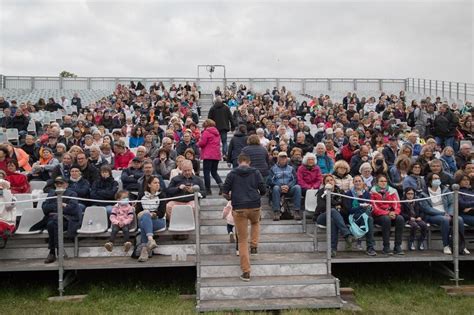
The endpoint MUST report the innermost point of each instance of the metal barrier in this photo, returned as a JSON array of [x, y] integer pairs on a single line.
[[444, 89]]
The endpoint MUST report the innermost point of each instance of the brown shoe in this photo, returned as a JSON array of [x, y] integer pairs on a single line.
[[127, 246], [276, 217], [143, 255], [245, 277], [109, 246], [50, 259]]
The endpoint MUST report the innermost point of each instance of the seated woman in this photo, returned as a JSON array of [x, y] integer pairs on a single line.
[[438, 210], [365, 171], [356, 207], [191, 156], [43, 168], [308, 174], [80, 185], [342, 175], [399, 171], [163, 164], [338, 226], [426, 155], [152, 217], [105, 188], [414, 178], [466, 203], [18, 182], [412, 213], [387, 214], [449, 163], [137, 137]]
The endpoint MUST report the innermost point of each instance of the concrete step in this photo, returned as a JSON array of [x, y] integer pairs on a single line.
[[268, 287], [267, 226], [269, 304], [265, 264], [266, 213], [268, 243]]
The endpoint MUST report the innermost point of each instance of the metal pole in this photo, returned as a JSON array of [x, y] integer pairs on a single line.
[[60, 193], [457, 91], [450, 90], [456, 234], [465, 92], [196, 190], [430, 88], [436, 86], [328, 230], [424, 87], [418, 86]]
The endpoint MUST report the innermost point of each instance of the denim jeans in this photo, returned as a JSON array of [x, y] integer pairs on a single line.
[[148, 225], [468, 219], [224, 141], [444, 223], [337, 226], [210, 168], [294, 192], [116, 229], [445, 141], [386, 222]]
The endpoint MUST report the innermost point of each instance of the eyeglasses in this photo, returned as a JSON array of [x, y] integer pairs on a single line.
[[382, 181]]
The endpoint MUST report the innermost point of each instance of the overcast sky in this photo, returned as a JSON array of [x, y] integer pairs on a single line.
[[369, 39]]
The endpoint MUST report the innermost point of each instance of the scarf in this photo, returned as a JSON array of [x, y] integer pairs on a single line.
[[355, 202], [75, 180]]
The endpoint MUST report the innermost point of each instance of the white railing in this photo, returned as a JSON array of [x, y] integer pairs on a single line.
[[445, 89], [207, 85]]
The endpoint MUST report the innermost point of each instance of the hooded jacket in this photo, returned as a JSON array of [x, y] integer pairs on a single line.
[[222, 116], [104, 189], [246, 186], [381, 208], [237, 143], [210, 144]]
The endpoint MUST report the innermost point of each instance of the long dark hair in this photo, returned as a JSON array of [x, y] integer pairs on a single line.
[[148, 181]]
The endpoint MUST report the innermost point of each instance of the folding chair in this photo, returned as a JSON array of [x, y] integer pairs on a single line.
[[182, 219], [20, 206], [310, 203], [12, 135], [94, 221], [37, 185], [29, 218]]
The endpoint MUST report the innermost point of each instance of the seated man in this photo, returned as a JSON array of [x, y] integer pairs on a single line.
[[282, 180], [131, 175], [72, 216], [182, 185]]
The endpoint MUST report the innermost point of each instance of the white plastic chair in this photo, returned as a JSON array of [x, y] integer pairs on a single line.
[[40, 202], [21, 206], [182, 219], [12, 135], [31, 127], [116, 174], [94, 221], [310, 203], [29, 218], [37, 185]]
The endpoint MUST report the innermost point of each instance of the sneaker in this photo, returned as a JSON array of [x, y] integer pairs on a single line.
[[359, 244], [411, 246], [50, 259], [231, 237], [220, 189], [421, 246], [151, 245], [276, 217], [349, 240], [127, 246], [371, 252], [245, 277], [447, 250], [236, 252], [387, 251], [466, 252], [333, 253], [109, 246], [297, 216], [253, 251], [398, 250], [143, 255]]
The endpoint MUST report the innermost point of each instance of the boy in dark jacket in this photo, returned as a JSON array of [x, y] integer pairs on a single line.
[[244, 186]]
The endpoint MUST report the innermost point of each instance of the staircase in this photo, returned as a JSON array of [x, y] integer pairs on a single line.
[[286, 273]]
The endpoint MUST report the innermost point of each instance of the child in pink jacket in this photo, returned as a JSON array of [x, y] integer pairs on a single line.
[[227, 214], [121, 219]]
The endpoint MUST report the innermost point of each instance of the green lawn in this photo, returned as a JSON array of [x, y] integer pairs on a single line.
[[382, 289]]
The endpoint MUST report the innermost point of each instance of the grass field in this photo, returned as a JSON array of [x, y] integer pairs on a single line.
[[380, 289]]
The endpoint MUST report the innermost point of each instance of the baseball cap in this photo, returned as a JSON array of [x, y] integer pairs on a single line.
[[60, 179], [282, 154]]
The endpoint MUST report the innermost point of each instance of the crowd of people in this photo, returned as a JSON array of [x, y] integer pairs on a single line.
[[378, 148]]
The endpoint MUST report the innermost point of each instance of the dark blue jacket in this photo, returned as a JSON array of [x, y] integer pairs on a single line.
[[130, 177], [258, 158], [104, 189], [466, 201], [72, 212], [237, 143], [246, 186], [82, 188]]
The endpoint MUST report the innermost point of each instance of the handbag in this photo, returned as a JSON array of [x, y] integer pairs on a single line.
[[358, 224]]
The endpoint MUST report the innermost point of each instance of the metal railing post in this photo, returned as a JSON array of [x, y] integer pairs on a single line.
[[418, 86], [354, 83], [465, 92], [328, 230], [303, 86], [442, 88], [424, 87], [380, 85], [329, 85], [450, 90], [60, 193], [32, 83], [407, 85], [457, 91], [436, 86], [430, 87], [89, 83], [196, 190], [456, 233]]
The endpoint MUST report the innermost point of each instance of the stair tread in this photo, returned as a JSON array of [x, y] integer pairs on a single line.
[[263, 259], [266, 281], [262, 222], [270, 304], [264, 238]]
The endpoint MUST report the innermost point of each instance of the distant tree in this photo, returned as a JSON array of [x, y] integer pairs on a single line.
[[67, 74]]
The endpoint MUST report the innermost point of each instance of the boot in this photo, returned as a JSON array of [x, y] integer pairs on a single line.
[[208, 191], [220, 189], [143, 255]]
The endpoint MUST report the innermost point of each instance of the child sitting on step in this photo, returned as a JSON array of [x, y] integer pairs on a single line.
[[227, 214], [121, 219]]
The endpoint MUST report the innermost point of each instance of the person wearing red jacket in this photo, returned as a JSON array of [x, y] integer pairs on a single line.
[[123, 155], [308, 174], [387, 214], [350, 149], [18, 182], [210, 145]]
